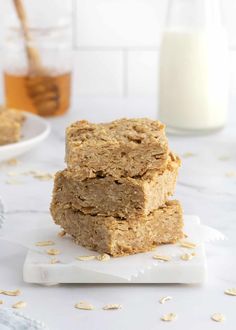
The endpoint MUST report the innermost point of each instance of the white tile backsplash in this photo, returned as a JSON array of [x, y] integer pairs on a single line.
[[142, 76], [229, 19], [116, 44], [233, 73], [98, 73], [1, 22], [119, 23]]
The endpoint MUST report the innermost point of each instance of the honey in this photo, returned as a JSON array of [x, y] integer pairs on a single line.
[[42, 95]]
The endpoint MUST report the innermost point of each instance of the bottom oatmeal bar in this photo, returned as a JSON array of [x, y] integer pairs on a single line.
[[121, 237]]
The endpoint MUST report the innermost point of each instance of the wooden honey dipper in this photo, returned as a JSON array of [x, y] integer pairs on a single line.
[[41, 87]]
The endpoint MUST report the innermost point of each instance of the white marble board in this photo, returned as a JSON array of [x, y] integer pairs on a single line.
[[37, 268]]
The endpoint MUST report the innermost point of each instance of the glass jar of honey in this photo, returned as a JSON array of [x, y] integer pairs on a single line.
[[37, 64]]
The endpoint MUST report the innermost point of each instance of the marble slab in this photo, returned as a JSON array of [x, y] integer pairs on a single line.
[[37, 267]]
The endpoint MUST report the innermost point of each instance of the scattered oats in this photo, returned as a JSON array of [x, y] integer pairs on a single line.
[[1, 302], [43, 176], [230, 174], [187, 256], [188, 155], [45, 243], [164, 299], [169, 317], [85, 258], [112, 306], [53, 252], [19, 304], [224, 158], [185, 235], [54, 261], [103, 257], [84, 305], [154, 248], [13, 161], [162, 258], [61, 233], [12, 173], [218, 317], [13, 181], [10, 292], [188, 245], [231, 292]]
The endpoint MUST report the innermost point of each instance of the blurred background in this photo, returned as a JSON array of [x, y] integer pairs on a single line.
[[115, 43]]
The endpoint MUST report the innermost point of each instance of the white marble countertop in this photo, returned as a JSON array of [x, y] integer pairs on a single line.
[[206, 187]]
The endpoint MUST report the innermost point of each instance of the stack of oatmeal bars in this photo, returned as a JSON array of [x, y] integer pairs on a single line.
[[113, 195]]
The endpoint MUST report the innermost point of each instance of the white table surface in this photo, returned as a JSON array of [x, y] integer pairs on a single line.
[[204, 189]]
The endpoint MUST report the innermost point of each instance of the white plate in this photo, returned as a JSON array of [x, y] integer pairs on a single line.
[[34, 130]]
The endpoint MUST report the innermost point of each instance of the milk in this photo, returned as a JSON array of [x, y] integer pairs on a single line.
[[194, 79]]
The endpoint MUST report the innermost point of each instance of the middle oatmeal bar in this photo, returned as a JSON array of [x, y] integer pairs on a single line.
[[119, 237], [118, 197], [122, 148]]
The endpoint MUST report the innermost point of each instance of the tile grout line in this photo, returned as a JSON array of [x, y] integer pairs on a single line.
[[116, 48], [112, 48]]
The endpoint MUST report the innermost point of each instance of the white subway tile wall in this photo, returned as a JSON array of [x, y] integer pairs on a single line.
[[229, 14], [233, 74], [98, 73], [142, 72], [116, 45], [119, 23]]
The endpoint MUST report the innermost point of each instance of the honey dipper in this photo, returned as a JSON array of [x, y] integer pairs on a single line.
[[41, 88]]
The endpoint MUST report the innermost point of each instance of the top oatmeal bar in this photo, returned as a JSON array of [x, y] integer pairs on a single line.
[[122, 148]]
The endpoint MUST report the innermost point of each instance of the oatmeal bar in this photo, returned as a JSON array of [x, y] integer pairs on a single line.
[[10, 125], [118, 197], [119, 237], [122, 148]]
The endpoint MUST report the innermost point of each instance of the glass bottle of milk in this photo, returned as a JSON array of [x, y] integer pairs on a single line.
[[194, 68]]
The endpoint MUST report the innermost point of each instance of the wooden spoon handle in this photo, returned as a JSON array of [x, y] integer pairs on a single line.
[[32, 52]]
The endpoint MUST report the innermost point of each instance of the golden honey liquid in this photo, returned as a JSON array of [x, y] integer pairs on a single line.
[[17, 93]]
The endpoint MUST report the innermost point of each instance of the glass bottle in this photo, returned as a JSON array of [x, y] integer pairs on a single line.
[[193, 95], [38, 62]]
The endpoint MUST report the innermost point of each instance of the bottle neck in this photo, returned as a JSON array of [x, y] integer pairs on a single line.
[[194, 14]]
